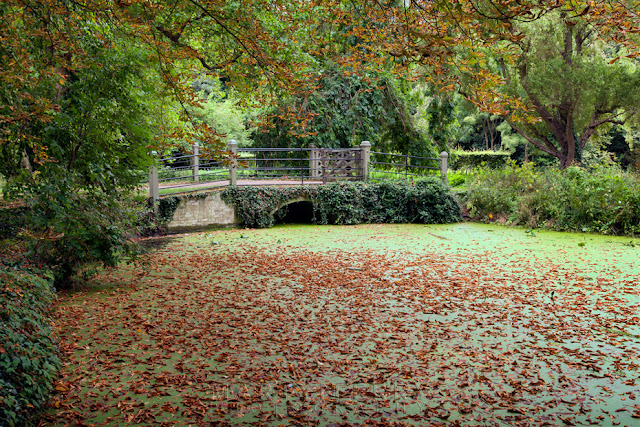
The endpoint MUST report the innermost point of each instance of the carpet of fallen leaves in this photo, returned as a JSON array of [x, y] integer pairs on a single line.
[[210, 333]]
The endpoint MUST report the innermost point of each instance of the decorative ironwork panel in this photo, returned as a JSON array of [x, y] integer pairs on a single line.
[[340, 164]]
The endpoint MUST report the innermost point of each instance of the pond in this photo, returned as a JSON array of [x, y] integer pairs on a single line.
[[343, 325]]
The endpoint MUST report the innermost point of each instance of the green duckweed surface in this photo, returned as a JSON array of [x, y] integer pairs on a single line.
[[359, 325]]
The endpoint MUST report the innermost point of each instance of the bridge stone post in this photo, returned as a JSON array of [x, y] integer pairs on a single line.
[[365, 157], [314, 161], [154, 188], [444, 156], [233, 163], [196, 161]]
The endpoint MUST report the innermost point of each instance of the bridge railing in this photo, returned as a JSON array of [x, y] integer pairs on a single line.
[[286, 166], [274, 164], [182, 172], [401, 166]]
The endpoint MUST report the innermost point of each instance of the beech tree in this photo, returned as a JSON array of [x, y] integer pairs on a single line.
[[346, 109], [252, 44], [270, 47], [79, 110]]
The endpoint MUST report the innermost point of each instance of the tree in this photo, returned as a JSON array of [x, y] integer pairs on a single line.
[[222, 111], [96, 143], [77, 106], [346, 109], [575, 82], [272, 49], [249, 43], [79, 111]]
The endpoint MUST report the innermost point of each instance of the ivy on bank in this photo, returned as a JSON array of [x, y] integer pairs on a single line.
[[426, 201], [152, 222], [167, 207], [29, 360]]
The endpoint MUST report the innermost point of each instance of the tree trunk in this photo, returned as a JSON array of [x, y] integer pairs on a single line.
[[24, 161], [565, 161], [567, 143]]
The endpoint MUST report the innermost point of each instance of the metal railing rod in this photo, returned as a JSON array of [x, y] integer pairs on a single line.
[[178, 168], [403, 166], [273, 177], [397, 172], [220, 172], [293, 150], [272, 160], [190, 184], [274, 149], [404, 155], [187, 156], [263, 170], [175, 179], [213, 170]]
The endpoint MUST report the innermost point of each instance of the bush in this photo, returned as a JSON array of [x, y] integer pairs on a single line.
[[604, 200], [456, 179], [68, 227], [428, 201], [80, 230], [474, 159], [28, 357], [12, 220]]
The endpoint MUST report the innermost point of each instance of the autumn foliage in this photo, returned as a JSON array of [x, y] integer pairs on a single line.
[[271, 51]]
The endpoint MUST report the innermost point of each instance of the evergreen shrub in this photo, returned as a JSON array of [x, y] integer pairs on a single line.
[[457, 179], [12, 220], [474, 159]]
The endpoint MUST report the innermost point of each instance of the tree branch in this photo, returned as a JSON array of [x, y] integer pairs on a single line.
[[547, 146], [591, 127], [175, 38], [208, 13]]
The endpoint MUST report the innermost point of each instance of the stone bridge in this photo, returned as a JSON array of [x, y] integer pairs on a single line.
[[200, 205], [208, 210]]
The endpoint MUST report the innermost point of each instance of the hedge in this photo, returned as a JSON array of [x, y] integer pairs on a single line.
[[474, 159], [604, 201]]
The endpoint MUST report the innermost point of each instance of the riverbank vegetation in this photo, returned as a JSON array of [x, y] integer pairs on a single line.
[[605, 200]]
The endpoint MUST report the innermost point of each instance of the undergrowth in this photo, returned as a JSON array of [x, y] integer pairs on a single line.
[[604, 200], [474, 159]]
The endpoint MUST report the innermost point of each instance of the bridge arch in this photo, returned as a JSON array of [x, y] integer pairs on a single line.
[[290, 201], [299, 210]]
